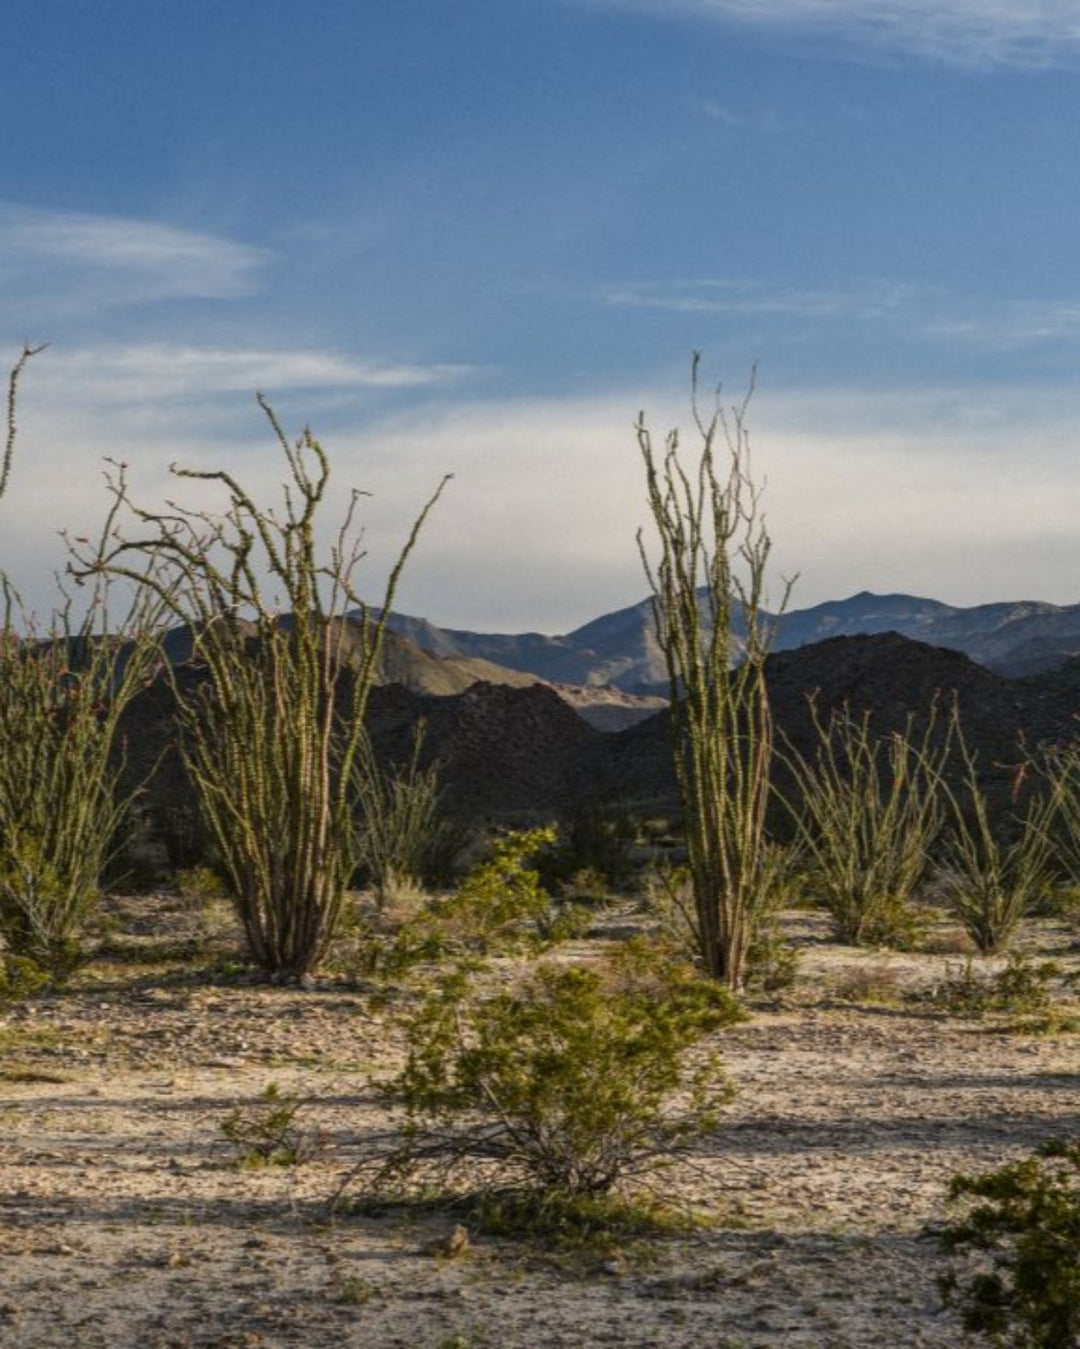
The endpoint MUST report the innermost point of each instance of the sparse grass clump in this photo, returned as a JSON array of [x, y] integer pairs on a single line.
[[1022, 987]]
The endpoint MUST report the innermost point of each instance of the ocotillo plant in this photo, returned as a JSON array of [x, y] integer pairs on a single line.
[[399, 818], [62, 695], [868, 809], [63, 689], [14, 376], [991, 881], [709, 581], [273, 731]]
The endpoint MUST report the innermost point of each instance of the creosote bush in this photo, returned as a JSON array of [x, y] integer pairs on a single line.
[[1018, 1280], [1021, 987], [499, 908], [268, 1132], [565, 1085]]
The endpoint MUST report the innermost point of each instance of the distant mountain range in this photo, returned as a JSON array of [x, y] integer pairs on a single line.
[[620, 649]]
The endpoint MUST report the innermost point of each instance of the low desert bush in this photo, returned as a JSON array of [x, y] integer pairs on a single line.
[[595, 840], [269, 1131], [1017, 1279], [20, 978], [1021, 987], [878, 982], [500, 907], [557, 1090]]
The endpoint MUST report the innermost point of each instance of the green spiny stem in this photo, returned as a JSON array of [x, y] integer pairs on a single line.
[[714, 551]]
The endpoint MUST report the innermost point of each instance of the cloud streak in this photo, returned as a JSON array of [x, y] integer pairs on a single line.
[[729, 296], [124, 259], [974, 33], [148, 372], [1016, 324]]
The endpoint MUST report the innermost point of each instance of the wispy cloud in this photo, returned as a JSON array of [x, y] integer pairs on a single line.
[[978, 33], [712, 296], [1013, 324], [143, 373], [123, 259]]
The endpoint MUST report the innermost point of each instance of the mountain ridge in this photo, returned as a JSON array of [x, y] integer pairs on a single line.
[[620, 649]]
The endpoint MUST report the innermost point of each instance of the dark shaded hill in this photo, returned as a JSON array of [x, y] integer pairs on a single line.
[[523, 753], [502, 750], [893, 678]]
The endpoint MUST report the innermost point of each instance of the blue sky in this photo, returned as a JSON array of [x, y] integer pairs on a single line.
[[478, 236]]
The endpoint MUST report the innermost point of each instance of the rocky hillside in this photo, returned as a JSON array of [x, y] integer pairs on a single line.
[[442, 673]]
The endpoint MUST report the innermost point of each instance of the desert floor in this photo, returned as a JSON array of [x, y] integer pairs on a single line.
[[125, 1221]]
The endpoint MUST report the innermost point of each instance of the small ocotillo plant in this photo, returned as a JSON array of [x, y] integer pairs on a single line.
[[272, 733], [398, 818], [1058, 771], [708, 584], [991, 883], [63, 690], [868, 809]]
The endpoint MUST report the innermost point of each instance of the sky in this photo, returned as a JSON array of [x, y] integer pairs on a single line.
[[480, 236]]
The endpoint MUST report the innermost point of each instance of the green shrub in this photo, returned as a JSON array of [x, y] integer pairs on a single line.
[[20, 978], [268, 1133], [566, 1085], [595, 841], [499, 907], [1019, 1284], [1022, 988]]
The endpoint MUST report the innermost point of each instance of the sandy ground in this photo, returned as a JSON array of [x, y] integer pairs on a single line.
[[124, 1220]]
